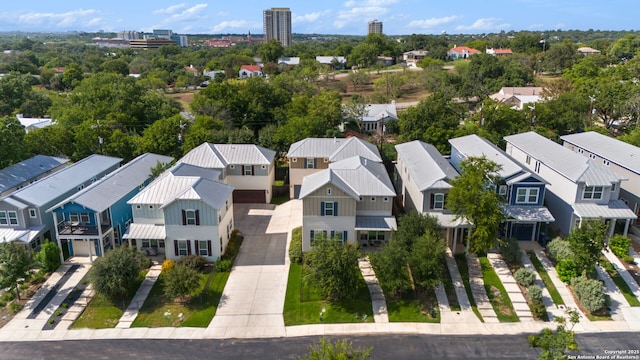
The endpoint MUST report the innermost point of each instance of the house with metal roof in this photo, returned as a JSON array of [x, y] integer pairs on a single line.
[[579, 188], [19, 175], [337, 62], [523, 192], [376, 115], [184, 211], [351, 200], [93, 220], [518, 97], [621, 157], [249, 168], [422, 178], [311, 155], [23, 214]]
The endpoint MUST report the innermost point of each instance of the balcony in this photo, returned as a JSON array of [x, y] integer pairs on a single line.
[[78, 229]]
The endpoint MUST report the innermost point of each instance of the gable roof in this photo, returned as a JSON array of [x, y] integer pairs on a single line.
[[218, 156], [288, 60], [45, 190], [426, 166], [616, 151], [376, 112], [102, 194], [335, 149], [573, 166], [330, 59], [25, 170], [463, 49], [476, 146], [252, 68], [356, 176]]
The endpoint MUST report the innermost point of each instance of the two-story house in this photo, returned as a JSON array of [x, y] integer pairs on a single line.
[[311, 155], [622, 158], [184, 211], [352, 201], [249, 168], [23, 214], [579, 188], [25, 172], [422, 177], [94, 219], [522, 191]]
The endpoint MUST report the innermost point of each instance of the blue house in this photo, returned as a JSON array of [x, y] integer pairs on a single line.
[[94, 219], [522, 191], [17, 176]]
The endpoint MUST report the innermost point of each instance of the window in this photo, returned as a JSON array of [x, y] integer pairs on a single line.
[[326, 160], [328, 191], [592, 193], [150, 207], [13, 217], [93, 180], [219, 219], [232, 166], [438, 201], [502, 190], [3, 218], [373, 199], [528, 160], [329, 208], [360, 198], [226, 205], [315, 235], [190, 216], [592, 156], [294, 159], [606, 162], [74, 218], [203, 247], [138, 207], [263, 167], [581, 151], [310, 163], [182, 247], [385, 199], [248, 170], [613, 187], [84, 218], [537, 167], [80, 187], [32, 213], [527, 196], [141, 186]]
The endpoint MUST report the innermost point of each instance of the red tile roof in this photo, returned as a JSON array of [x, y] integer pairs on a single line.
[[251, 67], [461, 49]]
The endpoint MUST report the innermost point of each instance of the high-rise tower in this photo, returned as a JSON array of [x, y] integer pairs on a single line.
[[375, 27], [277, 25]]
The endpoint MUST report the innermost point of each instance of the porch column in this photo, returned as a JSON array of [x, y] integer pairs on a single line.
[[89, 247], [626, 227], [612, 227], [533, 231], [55, 222], [100, 240], [455, 239]]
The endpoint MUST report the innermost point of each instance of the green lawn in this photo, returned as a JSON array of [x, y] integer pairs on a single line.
[[197, 312], [412, 308], [454, 305], [500, 301], [553, 291], [620, 283], [463, 268], [303, 304], [102, 313]]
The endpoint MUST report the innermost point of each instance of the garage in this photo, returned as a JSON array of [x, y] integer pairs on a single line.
[[249, 196]]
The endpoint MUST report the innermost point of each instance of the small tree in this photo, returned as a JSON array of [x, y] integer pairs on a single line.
[[114, 274], [587, 243], [390, 265], [425, 259], [181, 281], [341, 349], [589, 292], [49, 256], [556, 345], [333, 268], [15, 263], [510, 250]]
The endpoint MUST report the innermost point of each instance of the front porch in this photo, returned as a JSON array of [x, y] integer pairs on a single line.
[[612, 212], [374, 231]]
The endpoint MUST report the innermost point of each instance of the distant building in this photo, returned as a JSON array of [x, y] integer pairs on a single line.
[[277, 25], [150, 43], [31, 124], [588, 51], [180, 40], [499, 52], [518, 97], [414, 56], [128, 35], [374, 27], [461, 52]]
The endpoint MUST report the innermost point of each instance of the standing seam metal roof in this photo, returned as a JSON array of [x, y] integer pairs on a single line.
[[425, 164], [335, 149], [28, 169], [616, 151], [218, 156]]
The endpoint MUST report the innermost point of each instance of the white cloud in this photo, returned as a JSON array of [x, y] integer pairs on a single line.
[[71, 19], [483, 24], [433, 22], [171, 9], [225, 26], [369, 3], [358, 15], [223, 13], [194, 13], [311, 17]]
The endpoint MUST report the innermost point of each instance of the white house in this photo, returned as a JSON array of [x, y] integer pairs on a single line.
[[248, 71], [376, 115], [579, 188], [249, 168], [184, 211], [311, 155], [461, 52], [352, 200], [621, 157], [518, 97]]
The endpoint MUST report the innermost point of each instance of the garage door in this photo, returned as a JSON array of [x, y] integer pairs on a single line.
[[249, 196]]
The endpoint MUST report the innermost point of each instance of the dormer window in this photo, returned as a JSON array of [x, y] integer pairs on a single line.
[[592, 193]]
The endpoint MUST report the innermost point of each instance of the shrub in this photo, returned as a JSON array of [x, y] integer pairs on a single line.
[[65, 305], [181, 282], [629, 259], [538, 309], [233, 247], [589, 292], [37, 277], [49, 256], [510, 250], [8, 296], [295, 247], [534, 292], [167, 265], [567, 270], [619, 245], [223, 265], [15, 307], [57, 313], [52, 321], [196, 262], [145, 262], [2, 303], [525, 277], [559, 249]]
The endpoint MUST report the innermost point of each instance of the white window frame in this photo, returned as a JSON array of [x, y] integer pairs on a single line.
[[528, 195], [247, 170], [182, 247], [263, 167], [138, 207], [502, 190], [200, 248], [528, 160], [189, 220], [4, 219], [32, 213], [590, 192], [80, 187], [385, 199], [373, 199], [606, 162], [437, 202], [84, 218], [74, 218], [232, 166], [294, 159], [309, 161], [328, 207], [329, 191], [13, 220], [613, 187]]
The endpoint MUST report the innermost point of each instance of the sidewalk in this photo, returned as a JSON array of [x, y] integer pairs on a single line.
[[518, 301], [624, 274], [141, 295], [617, 300], [552, 309], [378, 301], [479, 292]]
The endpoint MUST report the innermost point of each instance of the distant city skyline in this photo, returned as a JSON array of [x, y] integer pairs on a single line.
[[348, 17]]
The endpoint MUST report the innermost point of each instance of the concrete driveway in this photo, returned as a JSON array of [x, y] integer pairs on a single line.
[[253, 299]]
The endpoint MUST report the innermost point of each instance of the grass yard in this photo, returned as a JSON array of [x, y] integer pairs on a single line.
[[497, 293], [461, 261], [553, 291], [620, 283], [412, 308], [197, 312], [303, 304], [102, 313]]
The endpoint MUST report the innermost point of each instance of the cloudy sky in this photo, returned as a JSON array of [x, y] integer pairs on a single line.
[[323, 17]]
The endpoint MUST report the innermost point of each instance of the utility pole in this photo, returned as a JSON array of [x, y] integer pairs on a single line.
[[181, 132], [531, 117], [100, 141], [592, 99]]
